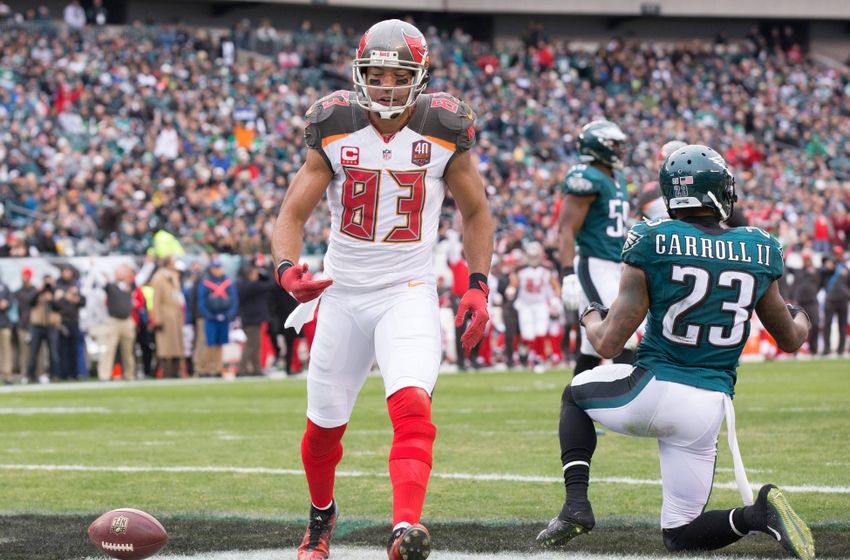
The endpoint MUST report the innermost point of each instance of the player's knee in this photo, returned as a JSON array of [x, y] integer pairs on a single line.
[[567, 398], [673, 539], [321, 442], [409, 403], [414, 433]]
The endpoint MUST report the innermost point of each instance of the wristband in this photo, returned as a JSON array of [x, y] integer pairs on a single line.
[[281, 268], [566, 271], [795, 310], [478, 281]]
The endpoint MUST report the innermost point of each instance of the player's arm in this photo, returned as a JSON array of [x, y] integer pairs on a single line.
[[307, 188], [305, 192], [556, 286], [467, 188], [789, 332], [609, 335], [573, 213]]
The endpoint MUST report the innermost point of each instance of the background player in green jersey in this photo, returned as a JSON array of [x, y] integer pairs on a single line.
[[699, 283], [592, 227]]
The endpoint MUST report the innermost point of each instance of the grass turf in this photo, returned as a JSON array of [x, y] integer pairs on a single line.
[[791, 426]]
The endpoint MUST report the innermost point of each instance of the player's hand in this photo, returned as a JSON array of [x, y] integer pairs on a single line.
[[594, 307], [570, 292], [292, 280], [474, 301]]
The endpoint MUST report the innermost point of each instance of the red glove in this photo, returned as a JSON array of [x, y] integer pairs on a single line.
[[473, 301], [290, 277]]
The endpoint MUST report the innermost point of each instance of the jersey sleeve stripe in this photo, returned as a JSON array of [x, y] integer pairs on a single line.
[[444, 143], [334, 138]]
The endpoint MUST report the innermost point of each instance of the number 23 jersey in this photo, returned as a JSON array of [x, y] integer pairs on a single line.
[[703, 284], [386, 193]]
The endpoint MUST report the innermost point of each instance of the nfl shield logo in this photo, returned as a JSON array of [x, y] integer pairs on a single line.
[[421, 153], [387, 155]]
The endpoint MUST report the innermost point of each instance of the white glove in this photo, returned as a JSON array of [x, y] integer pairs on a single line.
[[570, 292]]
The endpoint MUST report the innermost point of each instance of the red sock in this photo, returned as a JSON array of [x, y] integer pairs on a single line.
[[411, 452], [556, 340], [321, 451]]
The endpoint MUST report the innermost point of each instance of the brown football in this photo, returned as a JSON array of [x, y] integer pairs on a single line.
[[128, 534]]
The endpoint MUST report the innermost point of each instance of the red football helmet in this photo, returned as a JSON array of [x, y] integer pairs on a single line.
[[391, 43]]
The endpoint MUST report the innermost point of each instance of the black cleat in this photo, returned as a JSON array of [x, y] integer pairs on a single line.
[[565, 528], [317, 540], [409, 543], [778, 520]]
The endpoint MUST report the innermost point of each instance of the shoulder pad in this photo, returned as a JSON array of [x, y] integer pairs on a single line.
[[324, 108], [337, 113], [578, 181], [445, 117], [636, 233]]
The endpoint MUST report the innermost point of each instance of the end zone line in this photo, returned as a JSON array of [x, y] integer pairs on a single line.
[[485, 477]]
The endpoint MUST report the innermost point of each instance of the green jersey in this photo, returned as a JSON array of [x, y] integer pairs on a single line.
[[603, 231], [703, 283]]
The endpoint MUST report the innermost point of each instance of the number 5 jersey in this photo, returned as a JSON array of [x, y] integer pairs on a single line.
[[387, 191]]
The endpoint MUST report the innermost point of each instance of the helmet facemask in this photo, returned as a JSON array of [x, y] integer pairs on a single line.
[[405, 94]]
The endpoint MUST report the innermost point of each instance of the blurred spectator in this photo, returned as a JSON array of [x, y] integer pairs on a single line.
[[836, 303], [23, 298], [167, 317], [120, 331], [805, 294], [253, 290], [142, 306], [218, 303], [44, 324], [69, 301], [5, 11], [199, 348], [74, 15], [97, 14], [5, 333]]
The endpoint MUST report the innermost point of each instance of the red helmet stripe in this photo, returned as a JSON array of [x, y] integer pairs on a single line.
[[362, 46], [417, 47]]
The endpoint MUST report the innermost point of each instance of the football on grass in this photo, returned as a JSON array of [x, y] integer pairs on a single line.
[[128, 534]]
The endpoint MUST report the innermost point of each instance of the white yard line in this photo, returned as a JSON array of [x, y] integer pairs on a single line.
[[29, 411], [488, 477]]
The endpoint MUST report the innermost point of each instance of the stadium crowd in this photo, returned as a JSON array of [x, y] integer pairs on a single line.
[[104, 144], [110, 135]]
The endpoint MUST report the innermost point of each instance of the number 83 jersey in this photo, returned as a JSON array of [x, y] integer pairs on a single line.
[[703, 283], [386, 193]]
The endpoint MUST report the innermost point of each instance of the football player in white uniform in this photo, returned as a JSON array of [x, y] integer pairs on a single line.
[[535, 285], [384, 154]]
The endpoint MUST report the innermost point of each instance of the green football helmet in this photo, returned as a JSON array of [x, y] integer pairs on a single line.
[[696, 176], [602, 141]]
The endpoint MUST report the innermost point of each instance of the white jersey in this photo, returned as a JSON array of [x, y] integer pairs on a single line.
[[535, 286], [386, 193]]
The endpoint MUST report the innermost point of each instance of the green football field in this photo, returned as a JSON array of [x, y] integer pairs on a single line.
[[219, 463]]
